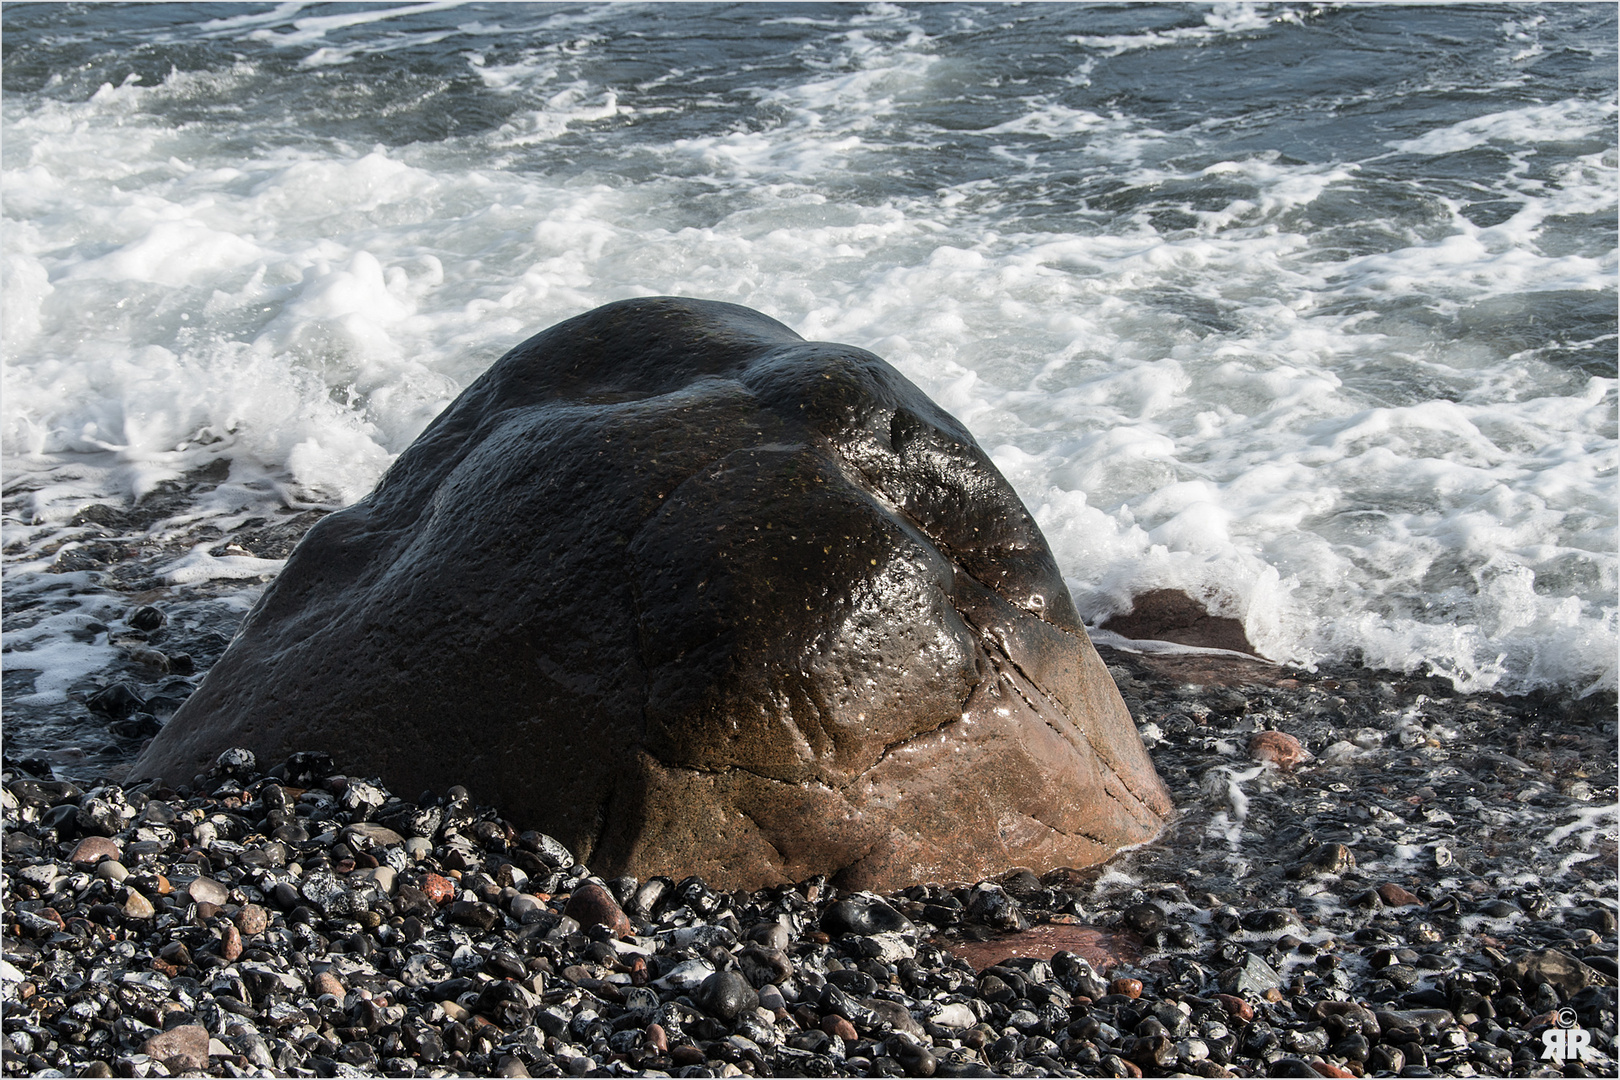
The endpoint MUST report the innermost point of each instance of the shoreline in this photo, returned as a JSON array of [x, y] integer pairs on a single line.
[[1362, 865]]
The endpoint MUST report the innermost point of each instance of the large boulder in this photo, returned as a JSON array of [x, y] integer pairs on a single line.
[[695, 595]]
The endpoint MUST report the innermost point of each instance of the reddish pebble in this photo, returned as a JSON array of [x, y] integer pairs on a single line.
[[230, 945], [1395, 896], [1283, 750], [1131, 988], [833, 1024], [638, 972], [686, 1055], [52, 914], [1326, 1069], [179, 1048], [592, 905], [1241, 1010], [439, 889], [93, 849], [251, 919], [327, 983], [1131, 1068], [656, 1039]]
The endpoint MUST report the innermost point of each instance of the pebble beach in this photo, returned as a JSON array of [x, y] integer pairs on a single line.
[[1302, 312], [1369, 875]]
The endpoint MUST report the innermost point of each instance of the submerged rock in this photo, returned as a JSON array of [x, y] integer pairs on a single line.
[[689, 592]]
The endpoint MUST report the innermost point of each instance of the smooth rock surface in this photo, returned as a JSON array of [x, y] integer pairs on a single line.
[[689, 592], [1172, 615], [183, 1047]]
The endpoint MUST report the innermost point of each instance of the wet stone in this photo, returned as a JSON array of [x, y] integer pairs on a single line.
[[206, 890], [864, 916], [184, 1047], [1463, 985], [92, 850], [725, 994], [473, 913], [1251, 976], [1277, 748], [593, 905], [137, 906], [117, 701], [438, 890], [251, 919], [1394, 895]]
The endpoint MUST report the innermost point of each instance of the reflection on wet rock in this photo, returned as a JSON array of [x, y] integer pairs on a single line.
[[694, 594]]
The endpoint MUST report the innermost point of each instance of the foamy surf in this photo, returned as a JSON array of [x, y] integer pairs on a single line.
[[1335, 360]]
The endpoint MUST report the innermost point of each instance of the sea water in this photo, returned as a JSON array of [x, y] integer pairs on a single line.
[[1306, 310]]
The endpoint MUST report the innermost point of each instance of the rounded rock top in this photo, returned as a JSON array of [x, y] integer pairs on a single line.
[[838, 642]]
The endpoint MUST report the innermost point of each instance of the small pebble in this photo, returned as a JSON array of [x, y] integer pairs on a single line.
[[592, 905], [183, 1047], [205, 890], [439, 889], [1131, 988], [93, 849], [230, 945], [1277, 747], [1395, 896], [112, 870], [251, 919]]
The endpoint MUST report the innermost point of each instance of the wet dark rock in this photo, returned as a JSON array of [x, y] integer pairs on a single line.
[[1326, 859], [474, 913], [115, 702], [146, 618], [593, 905], [1144, 918], [1252, 976], [1172, 615], [740, 525], [103, 812], [863, 915], [1563, 972], [1266, 920], [725, 994], [989, 904]]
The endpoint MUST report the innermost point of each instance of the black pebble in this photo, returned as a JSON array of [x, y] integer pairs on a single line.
[[117, 701]]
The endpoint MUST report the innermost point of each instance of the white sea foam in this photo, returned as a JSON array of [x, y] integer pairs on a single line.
[[1220, 21], [1226, 401]]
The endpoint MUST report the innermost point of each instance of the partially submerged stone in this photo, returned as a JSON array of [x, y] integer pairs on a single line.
[[694, 595], [1172, 615]]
